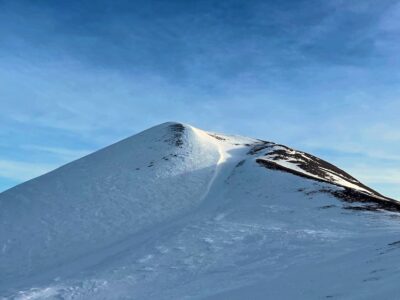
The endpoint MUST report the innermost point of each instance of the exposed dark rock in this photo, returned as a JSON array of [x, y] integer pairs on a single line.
[[217, 137], [373, 201], [177, 132]]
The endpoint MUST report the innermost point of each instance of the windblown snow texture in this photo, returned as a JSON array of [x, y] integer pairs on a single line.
[[179, 213]]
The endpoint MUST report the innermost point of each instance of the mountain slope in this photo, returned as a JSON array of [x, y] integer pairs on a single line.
[[176, 212]]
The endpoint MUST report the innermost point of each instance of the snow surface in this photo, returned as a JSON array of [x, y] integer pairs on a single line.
[[179, 213]]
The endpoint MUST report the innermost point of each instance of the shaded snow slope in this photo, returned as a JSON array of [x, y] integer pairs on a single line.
[[103, 198], [179, 213]]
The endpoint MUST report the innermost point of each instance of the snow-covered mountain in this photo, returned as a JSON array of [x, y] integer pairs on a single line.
[[179, 213]]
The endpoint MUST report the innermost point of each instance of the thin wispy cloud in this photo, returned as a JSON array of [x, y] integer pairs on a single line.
[[21, 171], [62, 153]]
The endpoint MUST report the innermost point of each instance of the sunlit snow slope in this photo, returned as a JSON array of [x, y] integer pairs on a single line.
[[179, 213]]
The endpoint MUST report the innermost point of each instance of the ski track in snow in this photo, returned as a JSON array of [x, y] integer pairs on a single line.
[[221, 160]]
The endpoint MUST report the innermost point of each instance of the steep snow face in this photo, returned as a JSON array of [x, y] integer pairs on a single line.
[[179, 213], [103, 198]]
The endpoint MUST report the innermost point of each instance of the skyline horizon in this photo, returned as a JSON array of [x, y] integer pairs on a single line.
[[160, 124], [322, 77]]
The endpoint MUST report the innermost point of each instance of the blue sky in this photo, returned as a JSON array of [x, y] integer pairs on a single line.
[[320, 76]]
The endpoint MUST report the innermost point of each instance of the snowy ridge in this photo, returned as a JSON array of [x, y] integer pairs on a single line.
[[301, 163], [176, 212]]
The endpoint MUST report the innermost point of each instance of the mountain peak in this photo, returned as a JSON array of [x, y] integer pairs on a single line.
[[175, 202]]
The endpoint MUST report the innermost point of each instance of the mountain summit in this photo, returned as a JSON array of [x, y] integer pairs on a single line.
[[176, 212]]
